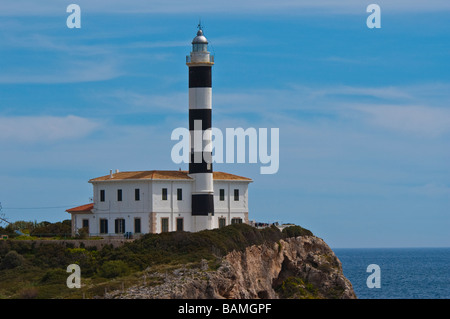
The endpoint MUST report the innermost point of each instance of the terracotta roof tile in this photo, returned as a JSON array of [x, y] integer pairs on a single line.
[[82, 208], [228, 176], [161, 175]]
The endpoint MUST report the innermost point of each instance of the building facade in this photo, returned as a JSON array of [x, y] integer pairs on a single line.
[[157, 201]]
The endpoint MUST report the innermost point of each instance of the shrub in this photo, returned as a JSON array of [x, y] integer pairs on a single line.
[[54, 276], [296, 288], [46, 229], [12, 260], [291, 287], [113, 268], [294, 231], [83, 233], [51, 256]]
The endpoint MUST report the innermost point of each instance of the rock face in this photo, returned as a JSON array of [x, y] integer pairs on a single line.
[[301, 267]]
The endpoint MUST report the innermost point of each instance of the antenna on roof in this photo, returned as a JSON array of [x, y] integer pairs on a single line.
[[199, 26]]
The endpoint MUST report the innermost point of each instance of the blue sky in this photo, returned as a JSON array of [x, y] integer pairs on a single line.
[[363, 113]]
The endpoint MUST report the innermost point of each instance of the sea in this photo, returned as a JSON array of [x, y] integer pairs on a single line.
[[399, 273]]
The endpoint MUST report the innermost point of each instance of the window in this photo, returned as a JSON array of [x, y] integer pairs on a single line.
[[119, 226], [102, 195], [222, 222], [236, 221], [179, 224], [86, 224], [137, 225], [119, 195], [103, 226], [236, 194], [164, 225], [199, 47], [222, 194], [137, 194], [164, 194], [179, 194]]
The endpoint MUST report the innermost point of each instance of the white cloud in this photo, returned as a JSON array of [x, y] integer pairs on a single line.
[[45, 128], [389, 92], [415, 119], [70, 72], [137, 102]]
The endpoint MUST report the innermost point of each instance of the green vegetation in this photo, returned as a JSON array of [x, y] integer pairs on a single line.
[[295, 231], [113, 268], [296, 288], [11, 260], [29, 269], [35, 230]]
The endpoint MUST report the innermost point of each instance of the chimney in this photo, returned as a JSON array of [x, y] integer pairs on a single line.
[[111, 173]]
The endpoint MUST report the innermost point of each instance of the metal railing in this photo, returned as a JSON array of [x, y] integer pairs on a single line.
[[189, 60]]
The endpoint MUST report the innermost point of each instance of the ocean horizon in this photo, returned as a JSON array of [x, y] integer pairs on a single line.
[[404, 273]]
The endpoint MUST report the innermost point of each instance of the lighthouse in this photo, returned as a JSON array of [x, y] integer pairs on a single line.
[[200, 63], [159, 201]]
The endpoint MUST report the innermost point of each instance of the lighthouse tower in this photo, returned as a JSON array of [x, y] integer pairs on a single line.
[[200, 63]]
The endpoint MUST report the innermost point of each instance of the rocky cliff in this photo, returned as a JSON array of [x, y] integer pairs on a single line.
[[296, 267]]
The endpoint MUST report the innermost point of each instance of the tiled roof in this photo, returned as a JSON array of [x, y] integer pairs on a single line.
[[161, 175], [82, 208], [228, 176]]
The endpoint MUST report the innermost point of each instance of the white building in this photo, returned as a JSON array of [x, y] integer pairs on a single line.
[[160, 201], [157, 201]]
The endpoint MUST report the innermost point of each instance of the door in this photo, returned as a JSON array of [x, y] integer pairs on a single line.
[[119, 226], [180, 224], [164, 225]]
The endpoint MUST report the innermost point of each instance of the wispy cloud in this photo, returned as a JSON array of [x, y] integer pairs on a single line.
[[66, 44], [50, 7], [414, 119], [61, 59], [70, 72], [142, 103], [417, 109], [45, 128]]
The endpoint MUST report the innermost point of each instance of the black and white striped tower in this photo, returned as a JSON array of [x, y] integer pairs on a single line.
[[200, 63]]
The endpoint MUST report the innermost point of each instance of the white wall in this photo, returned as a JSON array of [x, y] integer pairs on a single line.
[[128, 203], [151, 201], [229, 204], [229, 208], [172, 204]]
